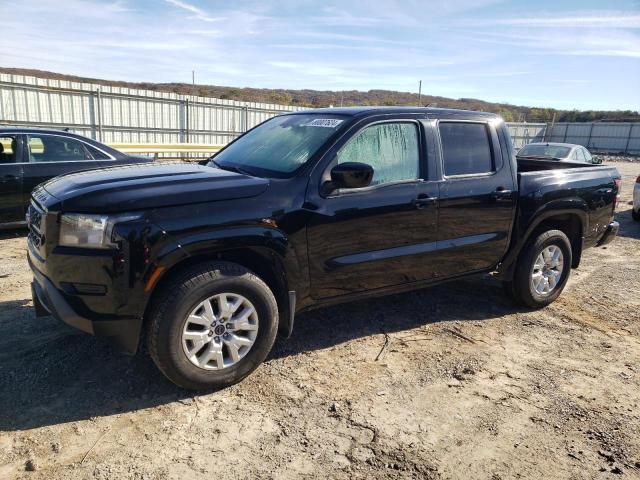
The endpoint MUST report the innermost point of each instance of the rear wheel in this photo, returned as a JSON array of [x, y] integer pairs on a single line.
[[542, 271], [212, 325]]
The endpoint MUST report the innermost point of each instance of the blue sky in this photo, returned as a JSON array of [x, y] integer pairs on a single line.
[[564, 54]]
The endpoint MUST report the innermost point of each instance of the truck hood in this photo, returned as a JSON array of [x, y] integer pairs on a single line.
[[151, 185]]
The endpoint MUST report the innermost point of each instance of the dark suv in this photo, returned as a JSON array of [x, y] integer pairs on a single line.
[[29, 156], [307, 209]]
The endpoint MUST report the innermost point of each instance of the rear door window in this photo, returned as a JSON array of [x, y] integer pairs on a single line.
[[466, 148], [54, 148], [580, 155]]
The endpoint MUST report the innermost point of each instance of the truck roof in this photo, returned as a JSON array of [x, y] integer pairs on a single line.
[[366, 110]]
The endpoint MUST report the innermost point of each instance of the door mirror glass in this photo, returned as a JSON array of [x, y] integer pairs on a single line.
[[351, 175]]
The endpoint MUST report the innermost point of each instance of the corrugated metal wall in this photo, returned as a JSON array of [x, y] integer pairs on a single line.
[[523, 133], [124, 115], [599, 136], [604, 137]]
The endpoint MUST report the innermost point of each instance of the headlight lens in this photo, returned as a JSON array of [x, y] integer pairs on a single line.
[[93, 231]]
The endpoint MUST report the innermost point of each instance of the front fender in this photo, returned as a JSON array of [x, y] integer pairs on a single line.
[[246, 242], [233, 238]]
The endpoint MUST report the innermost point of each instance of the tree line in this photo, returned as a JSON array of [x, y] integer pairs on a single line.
[[326, 98]]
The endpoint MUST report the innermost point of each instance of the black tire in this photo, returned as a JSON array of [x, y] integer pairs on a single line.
[[178, 298], [520, 288], [635, 214]]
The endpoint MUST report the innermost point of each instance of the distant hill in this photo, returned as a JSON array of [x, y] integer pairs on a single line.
[[322, 98]]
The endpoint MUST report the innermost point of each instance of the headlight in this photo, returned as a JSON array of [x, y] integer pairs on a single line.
[[80, 230]]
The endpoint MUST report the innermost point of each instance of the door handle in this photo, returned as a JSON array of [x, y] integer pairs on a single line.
[[501, 193], [423, 200]]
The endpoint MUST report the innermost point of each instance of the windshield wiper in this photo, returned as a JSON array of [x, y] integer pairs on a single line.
[[232, 168]]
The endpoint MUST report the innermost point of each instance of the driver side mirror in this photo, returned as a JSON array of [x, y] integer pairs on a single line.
[[349, 175]]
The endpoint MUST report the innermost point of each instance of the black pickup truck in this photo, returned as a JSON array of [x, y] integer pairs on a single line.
[[307, 209]]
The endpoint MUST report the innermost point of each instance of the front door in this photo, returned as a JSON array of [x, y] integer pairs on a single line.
[[50, 155], [11, 202], [477, 198], [373, 237]]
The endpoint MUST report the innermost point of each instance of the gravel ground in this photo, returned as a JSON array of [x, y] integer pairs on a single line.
[[448, 382]]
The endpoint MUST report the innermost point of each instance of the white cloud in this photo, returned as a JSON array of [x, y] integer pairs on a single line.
[[611, 43], [198, 13], [602, 20]]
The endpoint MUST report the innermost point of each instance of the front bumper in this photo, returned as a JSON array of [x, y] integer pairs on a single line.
[[48, 300], [609, 234]]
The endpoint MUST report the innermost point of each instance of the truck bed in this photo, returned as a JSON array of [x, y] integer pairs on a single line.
[[567, 185]]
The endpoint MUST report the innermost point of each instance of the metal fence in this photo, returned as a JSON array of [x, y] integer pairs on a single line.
[[523, 133], [120, 115], [609, 137], [125, 115], [598, 137]]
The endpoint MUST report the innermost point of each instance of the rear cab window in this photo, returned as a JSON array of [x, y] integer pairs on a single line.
[[466, 148]]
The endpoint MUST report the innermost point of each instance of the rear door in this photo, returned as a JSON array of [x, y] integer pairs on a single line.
[[12, 207], [477, 198], [50, 155]]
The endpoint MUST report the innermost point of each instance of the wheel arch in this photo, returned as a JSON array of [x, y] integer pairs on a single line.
[[268, 258], [572, 222]]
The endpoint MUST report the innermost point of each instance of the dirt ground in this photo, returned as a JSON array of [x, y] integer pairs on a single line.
[[448, 382]]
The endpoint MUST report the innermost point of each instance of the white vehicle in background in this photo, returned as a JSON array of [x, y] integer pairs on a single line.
[[566, 152], [635, 210]]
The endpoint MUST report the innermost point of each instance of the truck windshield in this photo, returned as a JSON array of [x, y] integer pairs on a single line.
[[551, 151], [280, 145]]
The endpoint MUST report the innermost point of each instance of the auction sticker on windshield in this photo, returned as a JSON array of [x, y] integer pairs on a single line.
[[323, 122]]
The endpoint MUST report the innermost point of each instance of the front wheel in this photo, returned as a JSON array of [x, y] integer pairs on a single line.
[[212, 325], [542, 271]]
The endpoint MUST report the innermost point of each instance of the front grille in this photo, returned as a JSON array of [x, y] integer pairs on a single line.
[[36, 223], [39, 194]]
